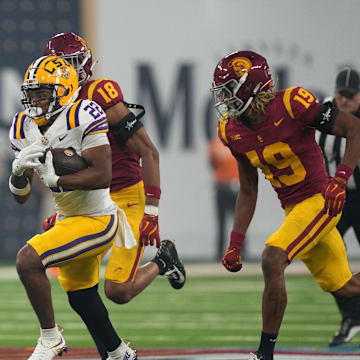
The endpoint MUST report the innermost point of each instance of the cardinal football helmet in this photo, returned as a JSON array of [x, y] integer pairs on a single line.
[[238, 77], [74, 49], [58, 77]]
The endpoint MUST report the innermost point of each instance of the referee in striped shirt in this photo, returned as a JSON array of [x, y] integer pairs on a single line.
[[346, 98]]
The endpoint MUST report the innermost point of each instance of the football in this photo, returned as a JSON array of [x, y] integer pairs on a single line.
[[66, 161]]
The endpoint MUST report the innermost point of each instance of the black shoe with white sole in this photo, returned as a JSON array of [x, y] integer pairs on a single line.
[[170, 265], [348, 329]]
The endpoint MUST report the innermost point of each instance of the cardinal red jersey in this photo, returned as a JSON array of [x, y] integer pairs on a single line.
[[126, 170], [283, 146]]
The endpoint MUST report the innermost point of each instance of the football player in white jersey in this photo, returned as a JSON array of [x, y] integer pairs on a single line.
[[89, 221]]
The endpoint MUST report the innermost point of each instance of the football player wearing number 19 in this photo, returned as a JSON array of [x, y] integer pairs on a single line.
[[275, 131], [89, 220]]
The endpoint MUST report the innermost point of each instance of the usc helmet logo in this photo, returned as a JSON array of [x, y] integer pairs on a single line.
[[82, 41], [241, 65]]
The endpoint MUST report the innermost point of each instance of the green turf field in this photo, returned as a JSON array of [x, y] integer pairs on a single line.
[[208, 312]]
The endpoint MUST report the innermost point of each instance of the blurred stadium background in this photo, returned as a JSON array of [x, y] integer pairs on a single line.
[[162, 53]]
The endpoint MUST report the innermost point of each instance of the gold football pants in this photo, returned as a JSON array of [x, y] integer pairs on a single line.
[[310, 235]]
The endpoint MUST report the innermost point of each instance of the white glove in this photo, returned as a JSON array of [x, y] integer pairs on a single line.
[[46, 171], [28, 158]]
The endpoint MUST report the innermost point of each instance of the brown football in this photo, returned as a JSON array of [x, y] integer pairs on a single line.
[[66, 161]]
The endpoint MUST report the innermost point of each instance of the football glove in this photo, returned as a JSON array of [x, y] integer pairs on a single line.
[[149, 230], [232, 258], [49, 222], [335, 191], [46, 171], [27, 158]]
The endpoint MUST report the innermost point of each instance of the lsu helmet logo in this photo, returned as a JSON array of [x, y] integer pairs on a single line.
[[241, 65], [64, 72]]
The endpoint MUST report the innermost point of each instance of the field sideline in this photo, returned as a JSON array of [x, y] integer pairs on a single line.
[[207, 269]]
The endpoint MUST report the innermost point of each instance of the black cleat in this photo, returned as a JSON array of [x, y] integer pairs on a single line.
[[176, 276], [348, 329], [173, 268]]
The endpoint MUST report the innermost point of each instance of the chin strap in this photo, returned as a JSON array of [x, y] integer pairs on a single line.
[[251, 98]]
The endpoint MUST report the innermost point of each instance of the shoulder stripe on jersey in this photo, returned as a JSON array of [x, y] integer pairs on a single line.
[[72, 116], [14, 147], [101, 122], [19, 126], [286, 100], [222, 126], [92, 88], [96, 127]]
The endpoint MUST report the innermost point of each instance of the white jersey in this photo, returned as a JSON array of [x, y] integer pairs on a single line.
[[80, 126]]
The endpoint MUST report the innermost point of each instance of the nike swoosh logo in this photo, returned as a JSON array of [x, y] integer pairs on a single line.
[[169, 273], [181, 276], [277, 123], [61, 138], [129, 204]]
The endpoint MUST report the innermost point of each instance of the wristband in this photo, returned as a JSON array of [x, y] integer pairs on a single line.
[[16, 191], [236, 239], [151, 210], [343, 171], [152, 190]]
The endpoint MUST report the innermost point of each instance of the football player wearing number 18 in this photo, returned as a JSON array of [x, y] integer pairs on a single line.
[[129, 143], [275, 131]]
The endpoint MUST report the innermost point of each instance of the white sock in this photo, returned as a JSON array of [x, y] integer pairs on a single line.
[[50, 335], [119, 352]]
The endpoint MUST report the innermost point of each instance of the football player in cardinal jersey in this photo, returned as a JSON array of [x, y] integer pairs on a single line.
[[134, 188], [89, 220], [275, 132]]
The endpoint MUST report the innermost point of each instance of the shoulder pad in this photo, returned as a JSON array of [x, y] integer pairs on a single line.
[[93, 119], [298, 100], [83, 112], [105, 92], [72, 115]]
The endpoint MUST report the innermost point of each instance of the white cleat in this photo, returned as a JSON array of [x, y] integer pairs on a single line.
[[44, 351], [123, 352], [255, 357]]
